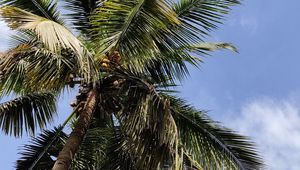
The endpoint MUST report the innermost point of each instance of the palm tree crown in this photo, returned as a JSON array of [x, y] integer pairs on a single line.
[[123, 57]]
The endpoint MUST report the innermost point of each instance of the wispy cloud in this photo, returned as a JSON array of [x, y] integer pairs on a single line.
[[275, 127]]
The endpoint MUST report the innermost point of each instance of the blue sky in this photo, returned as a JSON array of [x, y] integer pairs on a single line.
[[256, 92]]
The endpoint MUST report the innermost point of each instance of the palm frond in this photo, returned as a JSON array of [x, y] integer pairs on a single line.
[[44, 8], [175, 44], [13, 70], [210, 144], [126, 26], [81, 11], [212, 47], [26, 113], [124, 152], [149, 37], [118, 153], [24, 37], [48, 71], [164, 68], [137, 152], [30, 67], [93, 150], [54, 36], [200, 17], [132, 32], [50, 142], [146, 123]]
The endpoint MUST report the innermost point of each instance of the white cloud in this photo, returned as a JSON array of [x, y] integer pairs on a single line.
[[275, 127]]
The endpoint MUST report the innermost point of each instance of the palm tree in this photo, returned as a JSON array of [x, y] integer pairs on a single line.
[[123, 57]]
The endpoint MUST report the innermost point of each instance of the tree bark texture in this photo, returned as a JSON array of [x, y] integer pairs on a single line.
[[66, 155]]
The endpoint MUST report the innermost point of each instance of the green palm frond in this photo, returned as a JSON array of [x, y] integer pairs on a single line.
[[52, 35], [210, 144], [136, 30], [150, 38], [36, 68], [26, 113], [146, 122], [13, 70], [125, 152], [48, 71], [93, 150], [24, 37], [201, 16], [81, 11], [44, 8], [118, 153], [168, 66], [50, 142], [127, 26]]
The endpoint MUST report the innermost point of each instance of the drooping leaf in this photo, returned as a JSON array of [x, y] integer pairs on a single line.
[[211, 145], [146, 122], [26, 113], [50, 142]]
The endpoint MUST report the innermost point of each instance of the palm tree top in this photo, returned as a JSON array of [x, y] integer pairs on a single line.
[[122, 56]]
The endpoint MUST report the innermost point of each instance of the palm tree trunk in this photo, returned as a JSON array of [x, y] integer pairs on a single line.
[[66, 156]]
